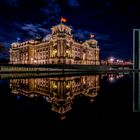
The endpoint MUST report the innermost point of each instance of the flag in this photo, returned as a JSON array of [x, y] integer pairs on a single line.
[[63, 19], [92, 35]]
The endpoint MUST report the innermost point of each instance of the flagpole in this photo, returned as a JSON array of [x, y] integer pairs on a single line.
[[61, 20]]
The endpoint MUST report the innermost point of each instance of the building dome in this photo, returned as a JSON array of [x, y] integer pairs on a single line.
[[31, 41], [15, 44], [47, 37]]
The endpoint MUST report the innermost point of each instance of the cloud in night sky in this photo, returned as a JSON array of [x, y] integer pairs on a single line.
[[13, 3], [104, 40], [73, 3], [22, 23], [32, 29], [85, 34], [51, 8], [103, 37], [111, 21], [81, 34]]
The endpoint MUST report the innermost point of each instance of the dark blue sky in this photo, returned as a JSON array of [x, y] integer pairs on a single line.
[[111, 21]]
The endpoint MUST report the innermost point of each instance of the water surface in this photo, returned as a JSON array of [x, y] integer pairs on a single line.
[[68, 98]]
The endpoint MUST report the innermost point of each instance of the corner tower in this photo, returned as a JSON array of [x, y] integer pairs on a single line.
[[91, 52]]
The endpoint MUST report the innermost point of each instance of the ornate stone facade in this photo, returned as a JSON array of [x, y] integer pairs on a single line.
[[58, 48]]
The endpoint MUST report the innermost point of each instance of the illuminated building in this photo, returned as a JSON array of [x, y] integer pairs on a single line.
[[60, 92], [57, 48]]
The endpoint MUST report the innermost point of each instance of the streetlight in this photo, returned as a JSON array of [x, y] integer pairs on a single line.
[[35, 61], [111, 59]]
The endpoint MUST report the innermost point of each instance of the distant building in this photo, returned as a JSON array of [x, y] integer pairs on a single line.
[[57, 48]]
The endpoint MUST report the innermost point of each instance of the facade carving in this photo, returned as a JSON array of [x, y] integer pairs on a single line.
[[57, 48]]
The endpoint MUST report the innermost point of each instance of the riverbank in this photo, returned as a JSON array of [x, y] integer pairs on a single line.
[[16, 75], [61, 68]]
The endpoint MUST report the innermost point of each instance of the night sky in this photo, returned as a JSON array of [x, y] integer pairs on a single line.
[[111, 21]]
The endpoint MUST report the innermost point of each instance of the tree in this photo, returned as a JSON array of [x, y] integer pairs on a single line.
[[3, 58], [2, 49]]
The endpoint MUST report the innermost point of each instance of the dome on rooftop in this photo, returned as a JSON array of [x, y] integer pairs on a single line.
[[47, 37], [31, 41], [15, 44]]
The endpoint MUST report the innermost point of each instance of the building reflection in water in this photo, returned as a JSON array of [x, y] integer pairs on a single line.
[[60, 92]]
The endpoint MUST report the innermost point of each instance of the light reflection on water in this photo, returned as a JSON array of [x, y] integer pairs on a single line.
[[65, 97], [60, 92]]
